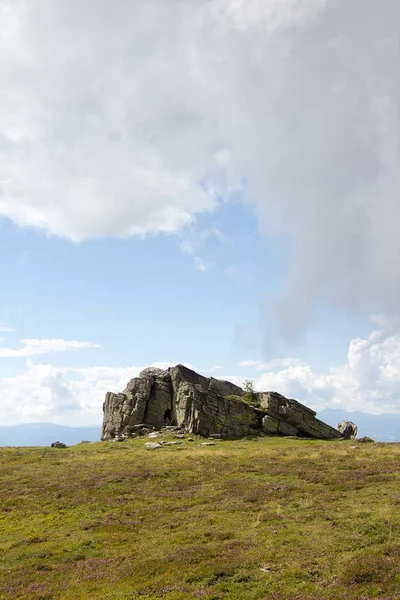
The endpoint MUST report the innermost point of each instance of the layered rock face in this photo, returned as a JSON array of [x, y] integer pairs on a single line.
[[204, 406], [289, 417]]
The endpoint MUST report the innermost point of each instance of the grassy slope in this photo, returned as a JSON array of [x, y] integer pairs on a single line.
[[271, 518]]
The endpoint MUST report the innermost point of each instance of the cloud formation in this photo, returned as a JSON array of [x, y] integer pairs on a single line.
[[137, 120], [34, 347], [369, 381], [69, 396]]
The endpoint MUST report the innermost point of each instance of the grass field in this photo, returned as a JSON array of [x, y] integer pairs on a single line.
[[248, 520]]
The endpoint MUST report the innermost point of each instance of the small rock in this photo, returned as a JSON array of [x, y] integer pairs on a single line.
[[354, 447], [152, 445], [190, 440], [365, 440], [265, 569], [171, 443], [215, 436], [179, 436], [58, 445], [207, 444], [154, 434]]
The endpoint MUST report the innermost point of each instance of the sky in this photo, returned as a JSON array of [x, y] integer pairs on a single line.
[[213, 183]]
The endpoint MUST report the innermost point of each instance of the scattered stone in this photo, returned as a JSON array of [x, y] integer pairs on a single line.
[[154, 434], [348, 429], [298, 437], [152, 445], [180, 436], [171, 443], [190, 440], [354, 447], [215, 436], [207, 444], [365, 440], [58, 445]]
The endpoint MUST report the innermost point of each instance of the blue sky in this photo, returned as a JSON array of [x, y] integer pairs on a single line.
[[215, 185]]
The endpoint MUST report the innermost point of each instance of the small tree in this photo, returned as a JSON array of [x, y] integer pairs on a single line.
[[250, 395], [248, 386]]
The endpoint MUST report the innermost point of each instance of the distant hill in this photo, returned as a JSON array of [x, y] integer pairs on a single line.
[[381, 428], [43, 434]]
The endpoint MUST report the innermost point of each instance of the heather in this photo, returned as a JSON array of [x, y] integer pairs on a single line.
[[263, 518]]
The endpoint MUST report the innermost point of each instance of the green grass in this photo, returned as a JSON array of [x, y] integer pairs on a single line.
[[245, 520]]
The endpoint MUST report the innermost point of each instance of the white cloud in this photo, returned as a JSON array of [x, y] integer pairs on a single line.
[[212, 369], [44, 392], [386, 325], [272, 365], [4, 329], [62, 395], [369, 381], [187, 246], [200, 264], [125, 121], [34, 347], [194, 240]]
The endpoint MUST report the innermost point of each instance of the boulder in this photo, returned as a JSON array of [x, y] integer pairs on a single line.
[[58, 445], [347, 429], [179, 399]]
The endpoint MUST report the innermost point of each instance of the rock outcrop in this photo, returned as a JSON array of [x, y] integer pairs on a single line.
[[204, 406]]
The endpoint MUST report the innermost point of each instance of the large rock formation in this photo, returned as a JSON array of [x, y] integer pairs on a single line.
[[205, 406]]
